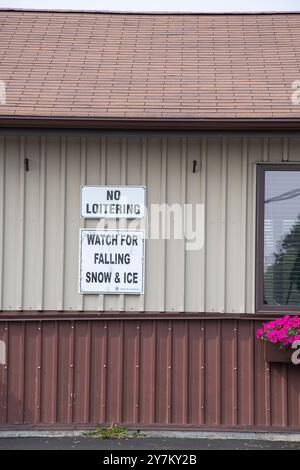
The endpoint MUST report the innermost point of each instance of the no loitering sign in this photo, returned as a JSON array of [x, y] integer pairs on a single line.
[[111, 261], [112, 202]]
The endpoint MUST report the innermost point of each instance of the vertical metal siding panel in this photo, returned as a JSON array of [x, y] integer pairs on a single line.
[[71, 224], [235, 269], [20, 258], [243, 227], [182, 270], [148, 391], [293, 396], [83, 165], [246, 377], [228, 373], [102, 182], [11, 213], [266, 149], [16, 344], [155, 249], [115, 364], [82, 349], [41, 223], [276, 150], [261, 389], [52, 255], [2, 222], [161, 379], [293, 149], [49, 372], [213, 363], [144, 157], [4, 375], [61, 228], [278, 399], [98, 372], [194, 256], [65, 372], [132, 177], [123, 222], [255, 154], [195, 372], [95, 175], [131, 367], [180, 372], [285, 149], [162, 266], [113, 177], [31, 372], [174, 248], [213, 246], [31, 275], [223, 229]]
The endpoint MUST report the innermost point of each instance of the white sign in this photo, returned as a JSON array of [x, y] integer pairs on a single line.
[[111, 261], [112, 202]]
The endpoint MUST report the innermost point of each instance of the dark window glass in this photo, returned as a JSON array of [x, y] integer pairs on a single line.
[[282, 238]]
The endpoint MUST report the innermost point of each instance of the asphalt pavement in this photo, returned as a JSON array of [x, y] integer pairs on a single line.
[[154, 444]]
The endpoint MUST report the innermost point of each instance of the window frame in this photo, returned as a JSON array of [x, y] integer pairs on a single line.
[[260, 217]]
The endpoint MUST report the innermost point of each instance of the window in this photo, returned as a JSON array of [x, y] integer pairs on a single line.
[[278, 238]]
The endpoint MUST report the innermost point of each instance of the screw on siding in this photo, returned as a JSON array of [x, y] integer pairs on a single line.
[[71, 365], [170, 329], [104, 365], [137, 365]]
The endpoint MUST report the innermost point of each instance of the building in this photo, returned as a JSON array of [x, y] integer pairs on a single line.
[[198, 109]]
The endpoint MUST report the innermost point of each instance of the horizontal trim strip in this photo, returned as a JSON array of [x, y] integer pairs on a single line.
[[78, 315], [151, 124]]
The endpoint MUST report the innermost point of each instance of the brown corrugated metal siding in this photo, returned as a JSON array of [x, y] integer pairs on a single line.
[[202, 372]]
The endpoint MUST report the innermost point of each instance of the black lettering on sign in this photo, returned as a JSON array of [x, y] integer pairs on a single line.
[[130, 278], [95, 277], [113, 195]]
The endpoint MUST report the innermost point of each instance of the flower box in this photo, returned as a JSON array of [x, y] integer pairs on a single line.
[[274, 354]]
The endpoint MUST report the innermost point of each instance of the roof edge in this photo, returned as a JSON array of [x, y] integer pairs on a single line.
[[213, 124], [145, 13]]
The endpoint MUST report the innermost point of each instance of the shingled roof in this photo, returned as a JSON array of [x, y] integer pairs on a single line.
[[149, 67]]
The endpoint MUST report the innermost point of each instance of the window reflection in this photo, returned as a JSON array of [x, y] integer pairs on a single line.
[[282, 238]]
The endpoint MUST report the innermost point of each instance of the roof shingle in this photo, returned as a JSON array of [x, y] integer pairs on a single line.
[[145, 66]]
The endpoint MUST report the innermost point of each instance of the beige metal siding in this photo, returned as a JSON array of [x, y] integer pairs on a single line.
[[39, 218]]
